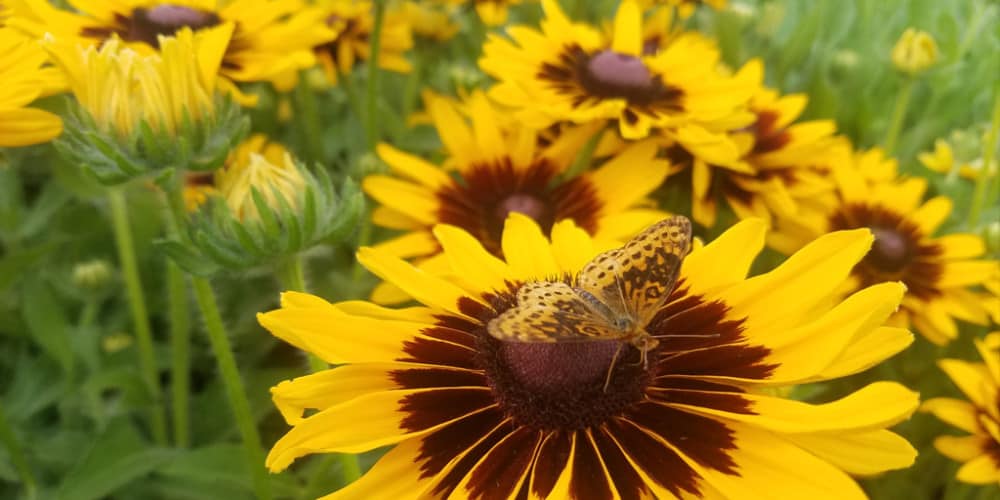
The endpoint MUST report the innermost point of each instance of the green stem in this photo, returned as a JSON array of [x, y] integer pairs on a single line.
[[371, 93], [349, 468], [16, 453], [898, 114], [223, 352], [292, 277], [137, 306], [989, 149], [180, 353], [582, 161], [235, 390], [305, 101]]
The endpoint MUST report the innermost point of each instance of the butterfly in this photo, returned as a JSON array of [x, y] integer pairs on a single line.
[[614, 297]]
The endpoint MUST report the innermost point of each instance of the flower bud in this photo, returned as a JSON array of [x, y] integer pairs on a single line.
[[92, 275], [914, 52]]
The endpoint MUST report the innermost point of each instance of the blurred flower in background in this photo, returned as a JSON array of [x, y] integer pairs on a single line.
[[979, 451], [352, 23], [914, 52], [24, 80]]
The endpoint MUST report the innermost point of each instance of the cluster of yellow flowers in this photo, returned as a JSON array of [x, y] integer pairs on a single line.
[[583, 141]]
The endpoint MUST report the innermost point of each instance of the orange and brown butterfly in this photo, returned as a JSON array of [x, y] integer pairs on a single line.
[[614, 297]]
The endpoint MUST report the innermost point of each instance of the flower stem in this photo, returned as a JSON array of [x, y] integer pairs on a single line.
[[180, 353], [137, 306], [235, 390], [371, 93], [898, 113], [16, 453], [223, 352], [583, 157], [989, 149]]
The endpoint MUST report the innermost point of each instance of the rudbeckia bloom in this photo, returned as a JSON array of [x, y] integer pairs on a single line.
[[24, 80], [979, 416], [476, 417], [502, 169], [781, 164], [943, 160], [490, 12], [687, 7], [571, 71], [269, 37], [938, 271], [249, 164], [353, 23]]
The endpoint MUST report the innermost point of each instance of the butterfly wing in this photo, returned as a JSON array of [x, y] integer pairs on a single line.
[[637, 278], [551, 312]]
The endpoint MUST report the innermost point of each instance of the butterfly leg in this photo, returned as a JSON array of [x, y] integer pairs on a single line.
[[611, 367]]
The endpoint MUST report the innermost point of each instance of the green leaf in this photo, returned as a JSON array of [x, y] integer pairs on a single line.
[[47, 322], [118, 457], [186, 258]]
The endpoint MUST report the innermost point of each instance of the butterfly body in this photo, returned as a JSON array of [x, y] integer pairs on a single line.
[[613, 298]]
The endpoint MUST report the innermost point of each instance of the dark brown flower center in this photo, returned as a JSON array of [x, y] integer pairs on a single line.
[[486, 194], [767, 135], [891, 251], [617, 73], [147, 24]]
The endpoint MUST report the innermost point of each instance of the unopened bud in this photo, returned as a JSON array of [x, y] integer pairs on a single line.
[[914, 52], [92, 274]]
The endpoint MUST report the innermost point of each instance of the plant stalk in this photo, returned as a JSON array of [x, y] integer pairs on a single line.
[[984, 180], [898, 114], [371, 92]]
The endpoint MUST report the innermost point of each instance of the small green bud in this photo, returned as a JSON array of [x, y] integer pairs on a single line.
[[92, 275]]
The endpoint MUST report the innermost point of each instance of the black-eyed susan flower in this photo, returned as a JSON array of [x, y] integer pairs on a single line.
[[353, 23], [941, 273], [428, 22], [979, 451], [490, 12], [269, 37], [24, 80], [781, 165], [501, 168], [685, 8], [260, 207], [944, 160], [571, 71], [473, 416], [137, 113]]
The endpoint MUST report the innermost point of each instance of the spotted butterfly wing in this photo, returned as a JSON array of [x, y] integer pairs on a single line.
[[552, 312], [634, 281]]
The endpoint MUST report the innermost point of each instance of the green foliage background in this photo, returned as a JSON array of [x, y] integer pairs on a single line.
[[77, 409]]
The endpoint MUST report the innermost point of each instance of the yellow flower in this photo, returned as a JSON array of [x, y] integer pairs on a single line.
[[261, 165], [269, 37], [353, 22], [915, 51], [782, 166], [121, 88], [943, 160], [428, 22], [24, 80], [471, 416], [571, 71], [979, 451], [490, 12], [938, 271], [687, 7], [503, 168]]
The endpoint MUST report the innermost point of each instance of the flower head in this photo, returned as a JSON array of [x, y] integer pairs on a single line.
[[268, 38], [571, 71], [914, 52], [265, 167], [979, 416], [490, 12], [944, 160], [429, 22], [24, 80], [352, 23], [939, 272], [503, 168], [687, 7], [472, 415]]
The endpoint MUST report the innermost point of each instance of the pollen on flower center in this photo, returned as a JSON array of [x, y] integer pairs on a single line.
[[617, 73], [891, 251], [166, 19]]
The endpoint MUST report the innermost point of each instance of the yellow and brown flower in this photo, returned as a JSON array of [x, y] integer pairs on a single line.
[[573, 72], [353, 23], [941, 273], [471, 416]]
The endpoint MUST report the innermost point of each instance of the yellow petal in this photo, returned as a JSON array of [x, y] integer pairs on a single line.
[[526, 249], [628, 29], [954, 412], [419, 284], [393, 476], [727, 259], [971, 379], [980, 470], [412, 167], [862, 453], [413, 244], [469, 259]]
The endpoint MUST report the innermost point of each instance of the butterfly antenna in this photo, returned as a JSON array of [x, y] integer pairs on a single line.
[[687, 336]]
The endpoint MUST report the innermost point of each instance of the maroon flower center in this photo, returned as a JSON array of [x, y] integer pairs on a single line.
[[525, 204], [146, 25], [891, 251], [551, 369], [618, 74]]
